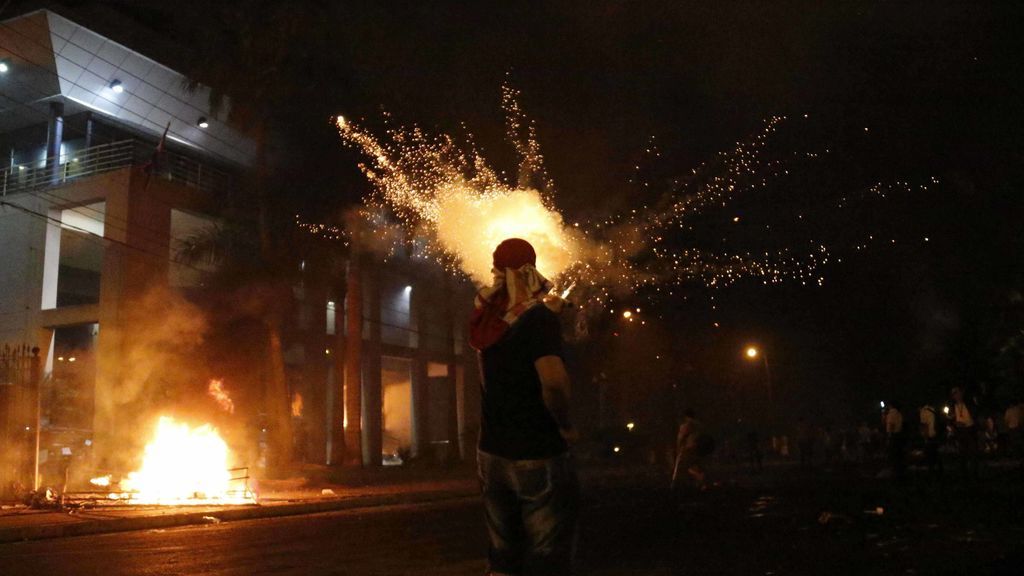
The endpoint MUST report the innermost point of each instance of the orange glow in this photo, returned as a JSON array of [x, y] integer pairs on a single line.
[[183, 465], [216, 390], [752, 352], [297, 404]]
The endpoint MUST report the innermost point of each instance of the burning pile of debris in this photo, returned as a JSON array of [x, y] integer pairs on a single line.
[[181, 465]]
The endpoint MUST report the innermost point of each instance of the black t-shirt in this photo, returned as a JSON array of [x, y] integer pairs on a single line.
[[515, 423]]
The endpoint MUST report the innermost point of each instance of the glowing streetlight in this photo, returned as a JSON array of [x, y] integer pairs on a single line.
[[630, 426], [627, 314], [753, 352]]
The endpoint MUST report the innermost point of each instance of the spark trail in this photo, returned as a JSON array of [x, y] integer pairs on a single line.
[[433, 185], [447, 196]]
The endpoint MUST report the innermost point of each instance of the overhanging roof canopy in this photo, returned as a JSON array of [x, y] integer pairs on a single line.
[[51, 58]]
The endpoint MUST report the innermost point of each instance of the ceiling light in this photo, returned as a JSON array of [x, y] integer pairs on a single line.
[[117, 86], [202, 123], [4, 67]]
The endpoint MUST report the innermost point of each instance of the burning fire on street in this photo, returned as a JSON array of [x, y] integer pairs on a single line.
[[182, 465]]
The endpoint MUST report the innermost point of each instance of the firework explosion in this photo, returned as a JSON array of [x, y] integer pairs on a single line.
[[456, 207]]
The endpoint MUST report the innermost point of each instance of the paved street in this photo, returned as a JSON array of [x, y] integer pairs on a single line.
[[785, 523]]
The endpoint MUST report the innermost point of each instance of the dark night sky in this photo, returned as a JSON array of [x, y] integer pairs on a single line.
[[937, 83]]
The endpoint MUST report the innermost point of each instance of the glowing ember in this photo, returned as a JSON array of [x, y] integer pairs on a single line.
[[216, 390], [184, 465]]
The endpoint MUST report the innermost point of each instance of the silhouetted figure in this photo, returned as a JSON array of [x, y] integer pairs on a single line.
[[895, 441], [1013, 418], [965, 433], [930, 437], [693, 445]]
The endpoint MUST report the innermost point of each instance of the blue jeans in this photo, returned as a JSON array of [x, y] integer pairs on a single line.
[[532, 509]]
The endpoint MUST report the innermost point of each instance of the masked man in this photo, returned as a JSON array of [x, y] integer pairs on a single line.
[[528, 479]]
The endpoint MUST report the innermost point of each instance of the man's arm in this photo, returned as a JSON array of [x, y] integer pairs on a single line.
[[555, 387]]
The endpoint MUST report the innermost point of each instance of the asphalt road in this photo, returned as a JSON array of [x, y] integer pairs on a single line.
[[794, 523]]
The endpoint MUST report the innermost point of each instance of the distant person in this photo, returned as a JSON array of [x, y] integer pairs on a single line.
[[965, 433], [784, 446], [693, 445], [895, 440], [527, 475], [990, 437], [930, 438], [1012, 420], [864, 442]]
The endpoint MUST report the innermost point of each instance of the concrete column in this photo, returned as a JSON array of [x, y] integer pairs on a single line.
[[373, 439], [451, 390], [318, 365], [54, 138], [470, 398], [336, 391], [353, 381], [420, 403], [88, 129], [108, 450], [51, 261]]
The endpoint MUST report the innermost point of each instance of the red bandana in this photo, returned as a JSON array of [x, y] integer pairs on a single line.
[[517, 287]]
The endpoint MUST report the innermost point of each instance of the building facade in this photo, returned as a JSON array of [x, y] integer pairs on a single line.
[[112, 167]]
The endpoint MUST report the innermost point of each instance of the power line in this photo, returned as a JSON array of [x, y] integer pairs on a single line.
[[97, 239]]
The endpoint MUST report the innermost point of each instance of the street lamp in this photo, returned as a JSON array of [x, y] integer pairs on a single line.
[[752, 352]]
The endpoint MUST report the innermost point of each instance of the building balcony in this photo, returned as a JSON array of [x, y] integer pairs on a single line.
[[169, 166]]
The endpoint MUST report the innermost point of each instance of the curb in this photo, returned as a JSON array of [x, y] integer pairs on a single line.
[[46, 531]]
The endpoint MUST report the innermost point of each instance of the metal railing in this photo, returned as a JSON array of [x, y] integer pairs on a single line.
[[102, 158]]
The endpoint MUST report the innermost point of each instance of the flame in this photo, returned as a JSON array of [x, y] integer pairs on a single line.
[[216, 390], [297, 405], [183, 465], [101, 481]]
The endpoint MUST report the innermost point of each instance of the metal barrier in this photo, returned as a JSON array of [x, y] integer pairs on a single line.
[[102, 158]]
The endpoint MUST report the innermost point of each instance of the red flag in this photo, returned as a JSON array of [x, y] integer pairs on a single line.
[[153, 166]]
